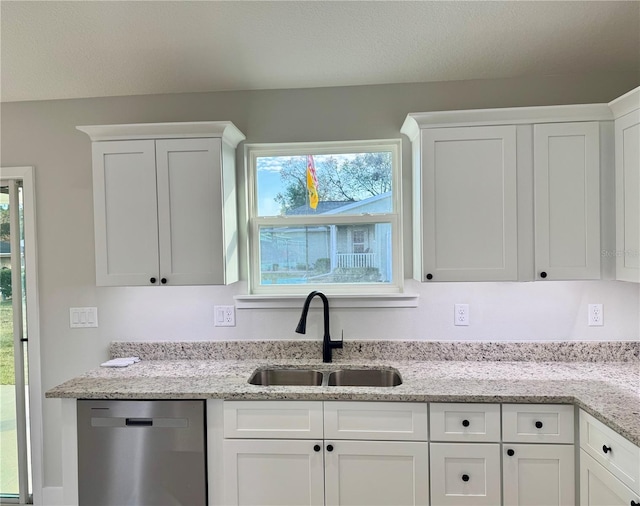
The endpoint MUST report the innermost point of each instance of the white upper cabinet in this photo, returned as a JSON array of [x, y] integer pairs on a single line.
[[626, 110], [507, 194], [468, 188], [567, 200], [165, 203]]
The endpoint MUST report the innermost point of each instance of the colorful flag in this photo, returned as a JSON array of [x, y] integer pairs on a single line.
[[312, 182]]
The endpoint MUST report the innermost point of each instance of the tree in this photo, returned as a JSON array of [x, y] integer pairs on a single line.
[[344, 180], [5, 283]]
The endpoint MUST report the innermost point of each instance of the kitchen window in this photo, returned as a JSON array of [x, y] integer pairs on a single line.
[[325, 216]]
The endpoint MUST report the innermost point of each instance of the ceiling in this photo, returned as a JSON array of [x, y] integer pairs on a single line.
[[69, 49]]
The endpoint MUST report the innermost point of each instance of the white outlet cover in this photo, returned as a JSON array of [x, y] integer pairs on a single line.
[[224, 316], [596, 315]]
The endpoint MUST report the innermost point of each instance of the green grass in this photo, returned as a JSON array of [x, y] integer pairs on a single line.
[[7, 375]]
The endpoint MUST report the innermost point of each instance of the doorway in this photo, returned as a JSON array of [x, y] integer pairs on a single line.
[[20, 438]]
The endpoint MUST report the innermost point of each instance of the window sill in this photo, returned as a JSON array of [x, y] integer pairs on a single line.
[[384, 300]]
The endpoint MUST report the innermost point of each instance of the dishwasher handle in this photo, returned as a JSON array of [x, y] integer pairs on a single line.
[[138, 422]]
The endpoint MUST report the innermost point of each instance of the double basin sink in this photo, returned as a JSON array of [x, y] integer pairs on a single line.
[[347, 377]]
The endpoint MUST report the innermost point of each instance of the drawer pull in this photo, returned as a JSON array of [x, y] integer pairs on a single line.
[[633, 503], [152, 280], [329, 448], [606, 448], [538, 424], [465, 423], [510, 452], [316, 448], [465, 477]]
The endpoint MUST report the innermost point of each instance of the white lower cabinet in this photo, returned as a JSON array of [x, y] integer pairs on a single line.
[[598, 487], [495, 454], [609, 466], [375, 469], [273, 472], [538, 475], [465, 474]]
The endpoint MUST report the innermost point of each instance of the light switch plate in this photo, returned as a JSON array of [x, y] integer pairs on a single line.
[[224, 316], [83, 317]]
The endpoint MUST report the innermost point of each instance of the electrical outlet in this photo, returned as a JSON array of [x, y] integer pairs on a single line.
[[461, 314], [596, 315], [225, 316], [83, 317]]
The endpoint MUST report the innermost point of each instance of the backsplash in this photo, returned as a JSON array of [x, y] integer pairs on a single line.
[[584, 351]]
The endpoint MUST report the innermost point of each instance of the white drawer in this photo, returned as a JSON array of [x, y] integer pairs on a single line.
[[465, 422], [465, 474], [382, 421], [273, 419], [617, 454], [537, 423]]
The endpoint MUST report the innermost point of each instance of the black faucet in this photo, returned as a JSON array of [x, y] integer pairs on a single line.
[[327, 343]]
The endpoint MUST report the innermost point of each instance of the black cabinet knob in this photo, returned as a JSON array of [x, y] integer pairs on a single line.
[[152, 281], [543, 274], [163, 281], [429, 276], [465, 477], [316, 448], [465, 423], [329, 448], [538, 425], [510, 452], [606, 448], [633, 503]]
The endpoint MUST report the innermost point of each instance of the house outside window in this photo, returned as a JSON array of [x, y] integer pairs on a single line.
[[348, 241]]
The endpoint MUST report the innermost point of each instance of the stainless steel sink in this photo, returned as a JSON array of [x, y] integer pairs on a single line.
[[286, 377], [365, 378], [348, 377]]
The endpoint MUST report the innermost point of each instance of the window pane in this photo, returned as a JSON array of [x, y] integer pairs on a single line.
[[358, 253], [352, 183]]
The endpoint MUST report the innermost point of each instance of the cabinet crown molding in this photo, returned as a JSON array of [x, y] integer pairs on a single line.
[[625, 104], [505, 116], [225, 130]]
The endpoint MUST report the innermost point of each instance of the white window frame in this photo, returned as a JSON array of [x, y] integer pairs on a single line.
[[394, 218]]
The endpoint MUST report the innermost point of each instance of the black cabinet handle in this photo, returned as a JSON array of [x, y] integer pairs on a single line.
[[633, 503], [316, 448], [329, 448], [465, 477], [606, 448], [465, 423], [163, 281], [152, 281], [510, 452], [543, 274], [429, 276], [538, 425]]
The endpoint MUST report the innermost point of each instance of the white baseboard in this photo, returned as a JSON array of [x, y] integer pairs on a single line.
[[52, 496]]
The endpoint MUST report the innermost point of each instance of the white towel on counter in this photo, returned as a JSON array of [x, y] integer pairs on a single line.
[[120, 362]]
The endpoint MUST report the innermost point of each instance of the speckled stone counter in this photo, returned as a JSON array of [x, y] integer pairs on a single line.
[[608, 390]]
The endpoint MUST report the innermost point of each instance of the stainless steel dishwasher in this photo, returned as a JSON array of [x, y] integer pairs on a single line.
[[149, 453]]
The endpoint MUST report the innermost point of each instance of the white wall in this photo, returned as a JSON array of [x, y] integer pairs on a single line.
[[43, 134]]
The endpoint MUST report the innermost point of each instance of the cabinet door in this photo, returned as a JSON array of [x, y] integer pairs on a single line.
[[567, 200], [273, 472], [469, 204], [369, 473], [627, 134], [598, 487], [125, 212], [465, 474], [538, 474], [190, 221]]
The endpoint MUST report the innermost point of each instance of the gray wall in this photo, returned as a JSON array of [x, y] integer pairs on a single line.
[[43, 134]]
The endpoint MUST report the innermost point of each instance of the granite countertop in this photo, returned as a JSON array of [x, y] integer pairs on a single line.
[[610, 391]]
